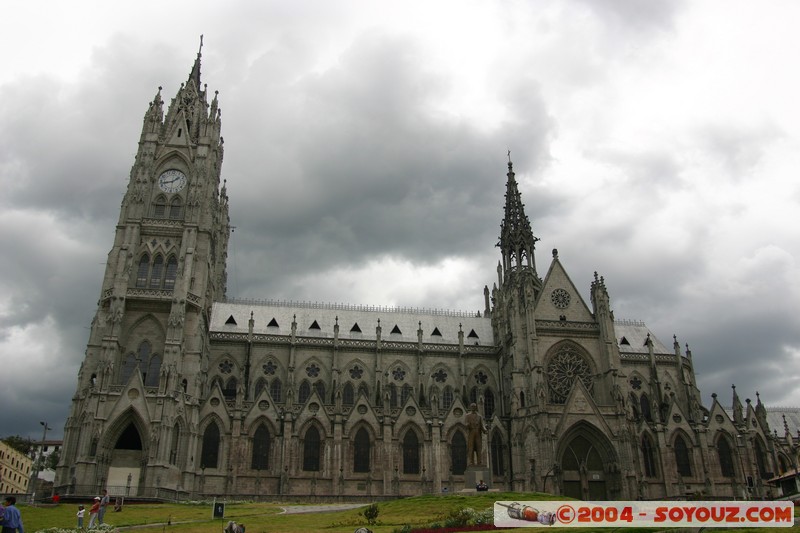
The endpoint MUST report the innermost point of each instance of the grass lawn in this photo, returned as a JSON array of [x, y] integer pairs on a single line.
[[267, 517]]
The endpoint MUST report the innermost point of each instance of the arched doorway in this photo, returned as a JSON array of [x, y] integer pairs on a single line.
[[586, 459], [125, 470]]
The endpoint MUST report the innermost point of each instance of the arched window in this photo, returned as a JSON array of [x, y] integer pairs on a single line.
[[498, 468], [152, 377], [173, 449], [160, 207], [141, 272], [392, 395], [644, 403], [725, 458], [347, 395], [311, 450], [261, 384], [361, 450], [172, 273], [447, 398], [276, 390], [761, 462], [458, 453], [473, 395], [157, 273], [260, 448], [230, 389], [410, 453], [175, 208], [521, 399], [319, 386], [682, 459], [304, 392], [488, 403], [209, 458], [405, 392], [648, 457]]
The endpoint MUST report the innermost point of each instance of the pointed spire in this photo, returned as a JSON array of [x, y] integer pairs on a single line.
[[738, 415], [517, 241], [195, 74]]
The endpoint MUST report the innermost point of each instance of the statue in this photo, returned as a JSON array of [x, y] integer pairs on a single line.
[[475, 430]]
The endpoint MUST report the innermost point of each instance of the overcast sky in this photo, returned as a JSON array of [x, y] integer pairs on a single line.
[[657, 143]]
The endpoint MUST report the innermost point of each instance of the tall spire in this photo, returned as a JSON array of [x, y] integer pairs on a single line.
[[195, 74], [517, 241]]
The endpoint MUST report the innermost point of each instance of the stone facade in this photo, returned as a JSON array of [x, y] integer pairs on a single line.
[[185, 392]]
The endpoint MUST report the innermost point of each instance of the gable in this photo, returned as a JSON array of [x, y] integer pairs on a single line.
[[560, 299]]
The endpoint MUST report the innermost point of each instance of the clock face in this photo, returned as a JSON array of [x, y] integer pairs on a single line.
[[172, 181], [560, 298]]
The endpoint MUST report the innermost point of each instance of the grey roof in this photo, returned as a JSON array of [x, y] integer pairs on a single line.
[[775, 419], [406, 320], [635, 333]]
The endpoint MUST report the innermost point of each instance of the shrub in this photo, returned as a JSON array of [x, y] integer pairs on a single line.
[[371, 513]]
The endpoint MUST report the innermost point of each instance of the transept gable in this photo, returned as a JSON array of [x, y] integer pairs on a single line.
[[215, 404], [560, 297], [718, 417], [581, 406], [676, 418], [362, 414], [410, 413], [456, 413], [313, 409], [263, 406]]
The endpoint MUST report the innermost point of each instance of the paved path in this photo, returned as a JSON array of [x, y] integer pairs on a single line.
[[322, 508]]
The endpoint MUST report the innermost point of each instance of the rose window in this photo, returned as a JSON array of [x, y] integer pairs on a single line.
[[226, 366], [440, 376], [312, 371], [481, 378], [636, 383], [269, 368], [356, 372], [564, 368], [399, 374]]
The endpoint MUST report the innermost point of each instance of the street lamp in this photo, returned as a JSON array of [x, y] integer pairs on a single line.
[[35, 469]]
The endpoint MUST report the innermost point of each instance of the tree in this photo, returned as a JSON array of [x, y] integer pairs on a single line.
[[51, 461], [21, 444]]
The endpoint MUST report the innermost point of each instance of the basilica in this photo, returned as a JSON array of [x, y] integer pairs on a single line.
[[186, 393]]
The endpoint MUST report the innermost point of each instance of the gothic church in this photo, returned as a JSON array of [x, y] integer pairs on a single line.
[[185, 393]]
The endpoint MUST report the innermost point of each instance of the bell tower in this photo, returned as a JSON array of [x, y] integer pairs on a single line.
[[145, 365]]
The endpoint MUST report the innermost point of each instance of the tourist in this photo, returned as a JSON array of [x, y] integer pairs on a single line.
[[481, 486], [12, 520], [93, 511], [81, 512], [103, 503], [56, 498]]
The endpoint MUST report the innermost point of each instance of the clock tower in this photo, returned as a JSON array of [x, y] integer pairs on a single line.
[[133, 418]]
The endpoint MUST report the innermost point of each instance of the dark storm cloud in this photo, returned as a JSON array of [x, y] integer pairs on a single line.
[[379, 172]]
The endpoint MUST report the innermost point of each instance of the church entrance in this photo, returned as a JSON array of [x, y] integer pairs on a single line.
[[126, 462], [583, 461]]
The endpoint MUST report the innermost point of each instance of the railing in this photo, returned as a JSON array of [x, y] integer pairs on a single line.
[[351, 307]]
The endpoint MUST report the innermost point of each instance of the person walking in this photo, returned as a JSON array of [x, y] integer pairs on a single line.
[[12, 520], [103, 504], [93, 511]]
